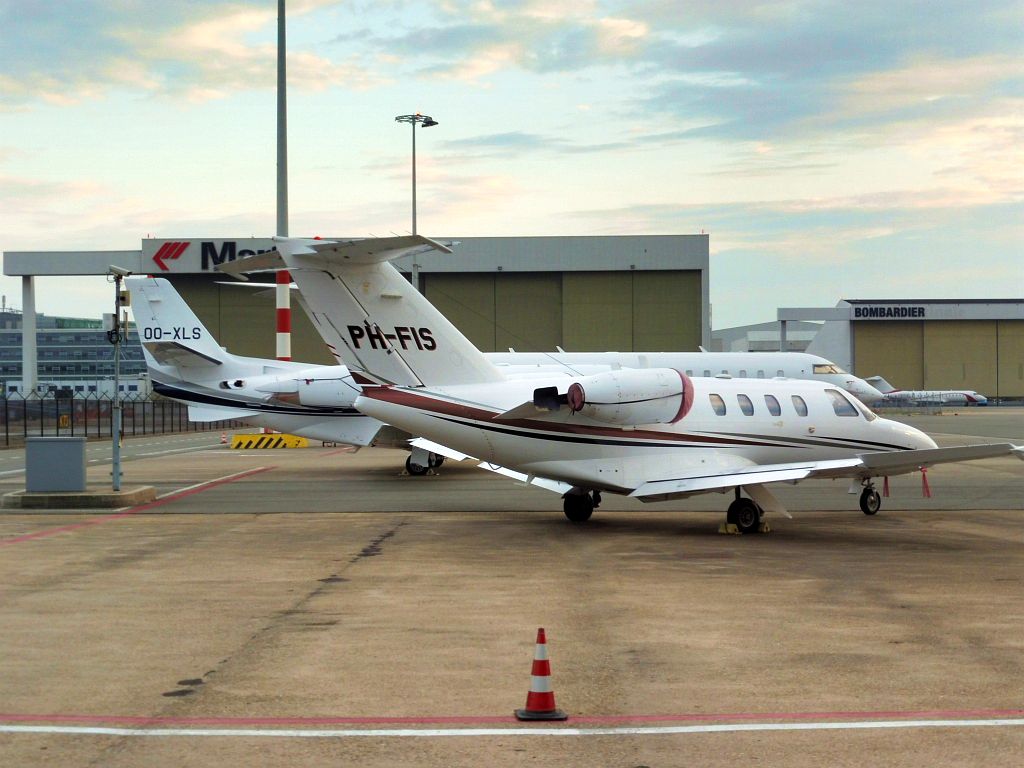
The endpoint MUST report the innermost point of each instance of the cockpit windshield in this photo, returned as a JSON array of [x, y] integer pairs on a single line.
[[823, 368]]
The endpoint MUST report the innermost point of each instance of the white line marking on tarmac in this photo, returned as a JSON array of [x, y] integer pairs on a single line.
[[339, 733], [207, 482], [176, 450]]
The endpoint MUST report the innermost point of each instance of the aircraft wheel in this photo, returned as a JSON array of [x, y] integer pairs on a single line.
[[435, 461], [745, 515], [870, 501], [415, 469], [578, 507]]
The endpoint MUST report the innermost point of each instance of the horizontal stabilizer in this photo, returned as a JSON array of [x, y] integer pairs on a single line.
[[177, 354], [530, 411], [203, 413], [260, 262]]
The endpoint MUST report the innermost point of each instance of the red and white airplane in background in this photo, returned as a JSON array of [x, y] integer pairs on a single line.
[[891, 395], [651, 434]]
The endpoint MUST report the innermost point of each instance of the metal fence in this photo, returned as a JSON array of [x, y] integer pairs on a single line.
[[54, 415]]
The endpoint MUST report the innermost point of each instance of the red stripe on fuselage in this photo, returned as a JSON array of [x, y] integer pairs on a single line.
[[420, 402]]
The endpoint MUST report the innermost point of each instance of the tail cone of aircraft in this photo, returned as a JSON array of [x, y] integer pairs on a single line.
[[540, 701]]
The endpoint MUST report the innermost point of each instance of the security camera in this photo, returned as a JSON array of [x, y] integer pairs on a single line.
[[119, 271]]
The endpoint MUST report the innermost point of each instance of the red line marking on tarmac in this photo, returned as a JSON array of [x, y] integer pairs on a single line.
[[944, 714], [136, 510]]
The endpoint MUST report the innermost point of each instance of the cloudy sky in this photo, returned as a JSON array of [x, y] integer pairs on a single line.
[[831, 149]]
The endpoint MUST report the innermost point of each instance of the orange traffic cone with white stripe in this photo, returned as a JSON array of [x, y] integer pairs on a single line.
[[223, 438], [540, 701]]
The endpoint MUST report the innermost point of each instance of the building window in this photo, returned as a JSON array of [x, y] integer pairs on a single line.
[[773, 405], [718, 404], [745, 405], [799, 405]]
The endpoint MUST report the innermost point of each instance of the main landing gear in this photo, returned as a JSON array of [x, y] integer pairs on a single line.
[[420, 462], [744, 514], [870, 501], [579, 504]]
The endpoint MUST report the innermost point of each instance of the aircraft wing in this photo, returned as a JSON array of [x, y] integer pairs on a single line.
[[862, 466], [540, 482]]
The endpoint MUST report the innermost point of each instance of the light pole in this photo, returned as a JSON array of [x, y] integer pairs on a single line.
[[426, 121], [114, 337]]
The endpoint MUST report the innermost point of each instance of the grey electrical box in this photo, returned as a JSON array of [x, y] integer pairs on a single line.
[[54, 464]]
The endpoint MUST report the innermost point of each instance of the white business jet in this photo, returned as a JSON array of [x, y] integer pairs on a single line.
[[652, 434], [759, 365], [893, 396], [186, 363]]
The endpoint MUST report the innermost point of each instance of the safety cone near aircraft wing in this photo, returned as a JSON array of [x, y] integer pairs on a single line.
[[540, 701], [223, 438]]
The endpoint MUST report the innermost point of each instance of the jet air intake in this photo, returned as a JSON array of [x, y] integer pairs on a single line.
[[633, 396]]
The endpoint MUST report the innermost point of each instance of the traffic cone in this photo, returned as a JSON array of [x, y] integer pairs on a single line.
[[223, 438], [540, 701]]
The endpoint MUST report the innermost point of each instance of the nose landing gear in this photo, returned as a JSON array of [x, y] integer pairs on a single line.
[[870, 501]]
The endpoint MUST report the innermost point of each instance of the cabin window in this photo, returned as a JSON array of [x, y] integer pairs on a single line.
[[743, 373], [689, 373], [799, 405], [707, 373], [718, 404], [866, 412], [773, 405], [745, 405], [840, 404], [760, 374], [780, 372]]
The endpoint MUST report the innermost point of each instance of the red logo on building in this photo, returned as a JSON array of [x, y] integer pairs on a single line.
[[169, 251]]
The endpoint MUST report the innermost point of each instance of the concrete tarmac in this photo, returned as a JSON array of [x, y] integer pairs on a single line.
[[313, 607]]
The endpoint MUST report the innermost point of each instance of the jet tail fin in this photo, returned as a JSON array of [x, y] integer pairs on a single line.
[[880, 384], [373, 319], [169, 330]]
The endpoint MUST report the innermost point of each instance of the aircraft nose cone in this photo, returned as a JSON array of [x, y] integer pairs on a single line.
[[918, 439]]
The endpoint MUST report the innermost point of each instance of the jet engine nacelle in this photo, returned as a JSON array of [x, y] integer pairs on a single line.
[[325, 392], [633, 396]]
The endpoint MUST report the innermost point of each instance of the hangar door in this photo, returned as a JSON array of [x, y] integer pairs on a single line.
[[579, 311], [1010, 336], [893, 350], [960, 354], [942, 354]]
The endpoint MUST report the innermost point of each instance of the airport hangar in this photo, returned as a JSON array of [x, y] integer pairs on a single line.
[[591, 293], [973, 344]]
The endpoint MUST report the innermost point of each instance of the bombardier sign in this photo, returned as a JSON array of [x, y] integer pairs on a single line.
[[888, 312], [190, 256]]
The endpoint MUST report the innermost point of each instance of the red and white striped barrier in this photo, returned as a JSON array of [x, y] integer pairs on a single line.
[[540, 701]]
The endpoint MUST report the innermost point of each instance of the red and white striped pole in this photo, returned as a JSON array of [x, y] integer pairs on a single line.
[[284, 315], [540, 701]]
